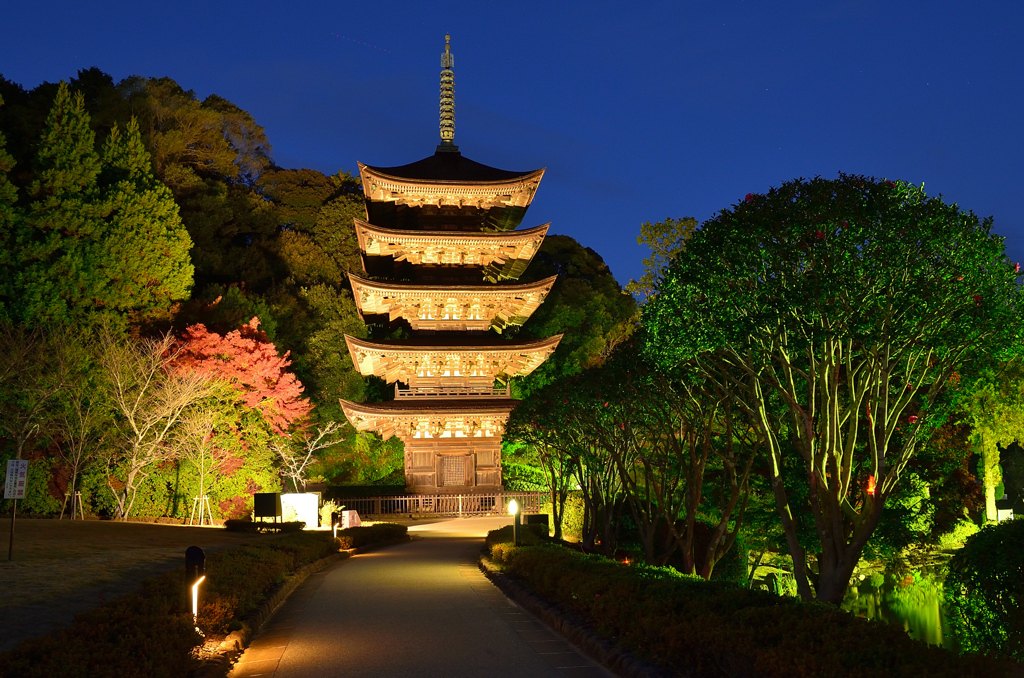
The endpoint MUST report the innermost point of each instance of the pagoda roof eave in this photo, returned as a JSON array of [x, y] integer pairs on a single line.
[[492, 289], [514, 191], [449, 167], [427, 344], [364, 228], [477, 307], [400, 419], [420, 362], [453, 407]]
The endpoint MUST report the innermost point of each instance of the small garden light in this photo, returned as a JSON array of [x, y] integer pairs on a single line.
[[195, 599], [513, 509], [195, 573]]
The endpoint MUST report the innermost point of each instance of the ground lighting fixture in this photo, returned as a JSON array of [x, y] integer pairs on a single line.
[[513, 510]]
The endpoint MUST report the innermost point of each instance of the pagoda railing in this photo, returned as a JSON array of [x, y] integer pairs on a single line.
[[495, 503], [452, 392]]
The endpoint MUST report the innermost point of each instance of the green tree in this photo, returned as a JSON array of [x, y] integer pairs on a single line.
[[146, 247], [52, 265], [995, 411], [586, 305], [10, 215], [664, 239], [101, 239], [851, 303]]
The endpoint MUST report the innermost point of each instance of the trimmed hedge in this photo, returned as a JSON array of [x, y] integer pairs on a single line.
[[984, 590], [711, 629], [150, 634], [354, 537]]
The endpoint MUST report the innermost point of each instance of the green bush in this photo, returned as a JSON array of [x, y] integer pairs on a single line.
[[720, 629], [957, 537], [354, 537], [984, 590]]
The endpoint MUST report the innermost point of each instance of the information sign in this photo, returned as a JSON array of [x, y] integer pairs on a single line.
[[17, 475]]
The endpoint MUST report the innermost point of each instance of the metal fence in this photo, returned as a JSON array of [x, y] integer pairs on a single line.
[[446, 504]]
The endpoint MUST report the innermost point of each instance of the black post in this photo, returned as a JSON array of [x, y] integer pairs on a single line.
[[195, 564], [10, 544], [515, 527]]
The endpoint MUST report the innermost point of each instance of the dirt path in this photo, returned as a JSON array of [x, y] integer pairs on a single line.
[[61, 568]]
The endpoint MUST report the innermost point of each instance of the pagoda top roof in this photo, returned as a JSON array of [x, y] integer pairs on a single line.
[[451, 166]]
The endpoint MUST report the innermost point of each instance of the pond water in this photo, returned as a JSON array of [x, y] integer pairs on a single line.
[[913, 604]]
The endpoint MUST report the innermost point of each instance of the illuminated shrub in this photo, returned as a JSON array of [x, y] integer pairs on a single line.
[[985, 590], [694, 627]]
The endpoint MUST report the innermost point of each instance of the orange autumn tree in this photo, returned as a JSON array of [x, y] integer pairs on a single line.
[[249, 361], [264, 406]]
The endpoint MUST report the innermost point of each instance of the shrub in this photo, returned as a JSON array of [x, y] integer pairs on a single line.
[[955, 538], [984, 590], [354, 537], [717, 628]]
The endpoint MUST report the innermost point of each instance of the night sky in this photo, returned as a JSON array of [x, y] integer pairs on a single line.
[[639, 111]]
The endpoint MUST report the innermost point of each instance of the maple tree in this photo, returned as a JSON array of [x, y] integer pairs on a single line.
[[249, 361]]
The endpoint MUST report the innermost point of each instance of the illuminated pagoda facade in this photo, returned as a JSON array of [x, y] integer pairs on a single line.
[[441, 257]]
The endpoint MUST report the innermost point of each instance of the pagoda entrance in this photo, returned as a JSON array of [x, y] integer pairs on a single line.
[[453, 465]]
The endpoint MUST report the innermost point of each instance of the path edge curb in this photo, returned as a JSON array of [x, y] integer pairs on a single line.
[[237, 641], [616, 659]]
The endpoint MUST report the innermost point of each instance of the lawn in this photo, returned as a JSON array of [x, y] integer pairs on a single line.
[[61, 568]]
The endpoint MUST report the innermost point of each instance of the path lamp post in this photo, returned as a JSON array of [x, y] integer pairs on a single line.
[[513, 509], [195, 573]]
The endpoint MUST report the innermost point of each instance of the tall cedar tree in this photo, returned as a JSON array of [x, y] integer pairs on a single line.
[[146, 245], [248, 360], [102, 239], [55, 254], [8, 217], [844, 308]]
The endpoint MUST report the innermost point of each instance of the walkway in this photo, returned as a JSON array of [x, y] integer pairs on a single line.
[[417, 609]]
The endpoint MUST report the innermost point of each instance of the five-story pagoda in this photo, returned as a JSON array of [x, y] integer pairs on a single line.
[[441, 255]]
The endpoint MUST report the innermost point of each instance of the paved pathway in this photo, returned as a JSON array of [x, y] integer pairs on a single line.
[[417, 609]]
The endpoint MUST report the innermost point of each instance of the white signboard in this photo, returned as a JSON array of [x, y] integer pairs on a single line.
[[17, 476], [304, 506]]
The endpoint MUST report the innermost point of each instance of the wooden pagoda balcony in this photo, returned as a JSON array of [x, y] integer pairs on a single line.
[[452, 391]]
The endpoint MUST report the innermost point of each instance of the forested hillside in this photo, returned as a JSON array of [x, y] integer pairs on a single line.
[[137, 219]]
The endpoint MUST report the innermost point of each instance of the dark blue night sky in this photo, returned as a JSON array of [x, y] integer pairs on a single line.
[[639, 111]]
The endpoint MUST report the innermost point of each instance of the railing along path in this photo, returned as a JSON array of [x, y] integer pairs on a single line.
[[446, 504]]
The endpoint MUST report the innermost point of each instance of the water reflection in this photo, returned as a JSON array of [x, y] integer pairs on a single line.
[[915, 605]]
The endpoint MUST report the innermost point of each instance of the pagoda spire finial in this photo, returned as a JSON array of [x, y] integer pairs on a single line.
[[447, 98]]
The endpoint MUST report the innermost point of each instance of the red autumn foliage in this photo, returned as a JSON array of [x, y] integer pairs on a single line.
[[247, 359]]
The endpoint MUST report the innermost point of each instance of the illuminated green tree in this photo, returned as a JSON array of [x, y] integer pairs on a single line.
[[145, 247], [995, 411], [664, 239], [586, 304], [53, 252], [852, 304], [101, 239]]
